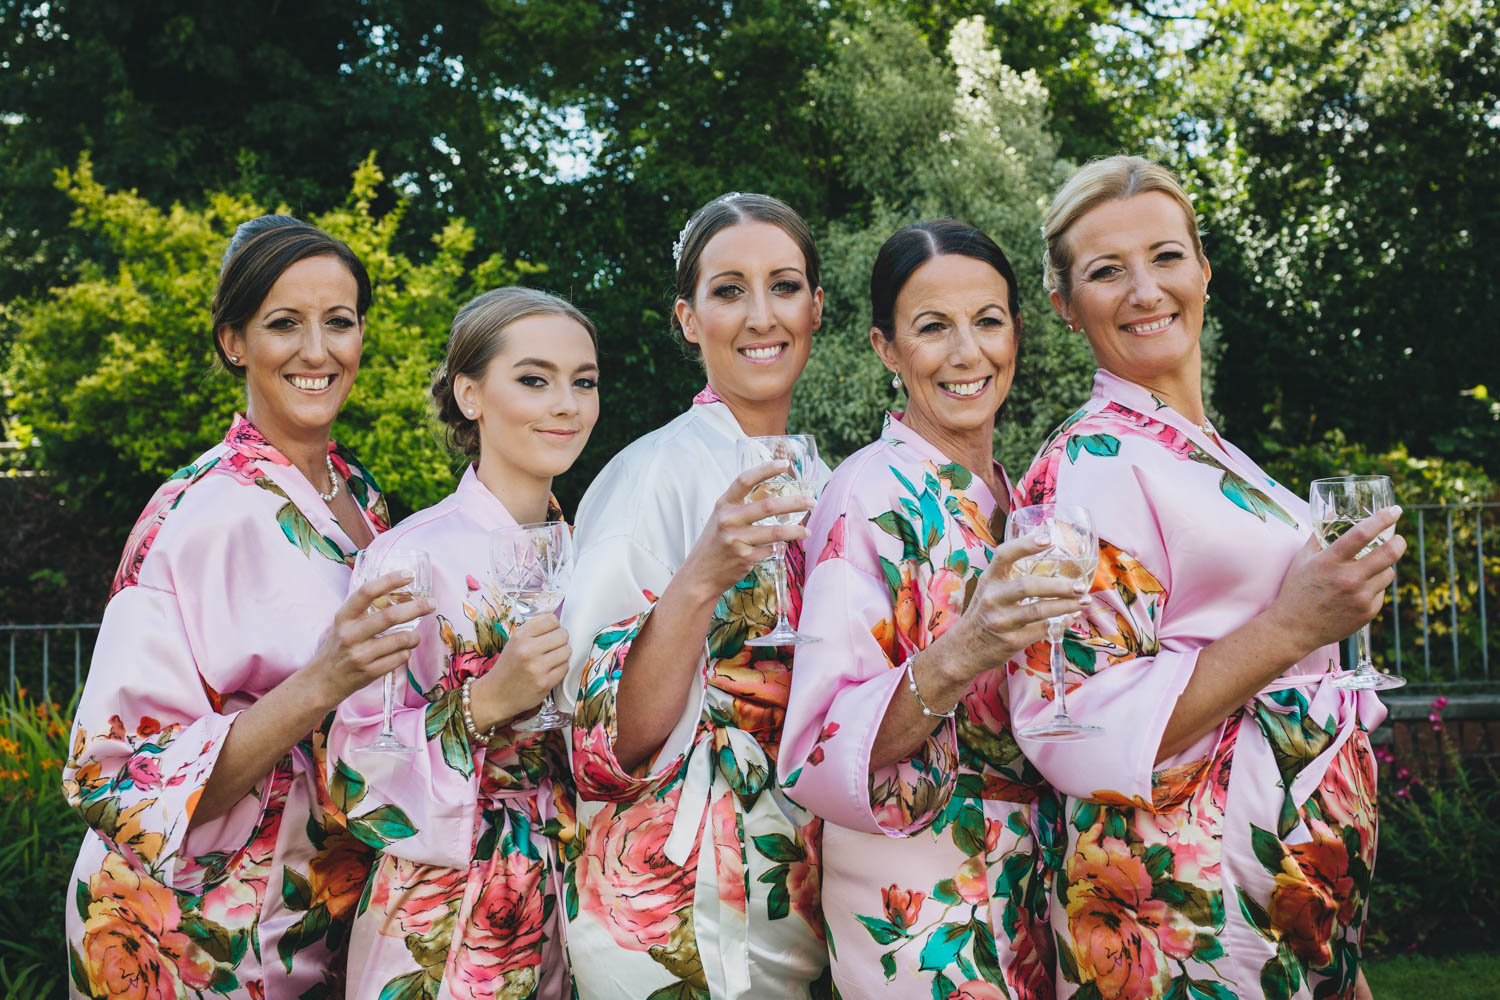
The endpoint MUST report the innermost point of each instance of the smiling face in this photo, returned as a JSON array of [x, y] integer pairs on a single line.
[[752, 314], [1138, 289], [954, 346], [300, 350], [537, 401]]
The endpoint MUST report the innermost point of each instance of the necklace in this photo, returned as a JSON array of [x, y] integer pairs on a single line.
[[333, 480]]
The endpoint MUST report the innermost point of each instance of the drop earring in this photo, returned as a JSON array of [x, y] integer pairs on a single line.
[[896, 382]]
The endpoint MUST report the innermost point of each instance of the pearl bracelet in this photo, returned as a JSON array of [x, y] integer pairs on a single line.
[[911, 685], [475, 736]]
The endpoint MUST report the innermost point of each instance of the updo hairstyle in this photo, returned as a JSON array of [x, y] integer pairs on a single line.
[[259, 253], [1114, 178], [912, 246], [475, 338], [721, 213]]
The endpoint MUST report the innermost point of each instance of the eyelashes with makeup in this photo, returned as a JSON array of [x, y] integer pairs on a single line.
[[1110, 270], [782, 287], [281, 324], [540, 382]]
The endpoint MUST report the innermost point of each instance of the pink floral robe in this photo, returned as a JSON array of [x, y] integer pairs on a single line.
[[932, 881], [694, 876], [1241, 866], [229, 581], [463, 904]]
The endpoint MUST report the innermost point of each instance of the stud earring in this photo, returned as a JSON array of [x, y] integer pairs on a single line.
[[1206, 297], [469, 412], [895, 381], [234, 359]]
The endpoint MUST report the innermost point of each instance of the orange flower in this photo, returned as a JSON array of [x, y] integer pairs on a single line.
[[972, 881], [902, 906], [1114, 922], [1124, 573], [132, 948], [1313, 891], [128, 832], [337, 874]]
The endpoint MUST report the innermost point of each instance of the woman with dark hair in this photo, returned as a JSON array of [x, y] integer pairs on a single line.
[[216, 860], [694, 875], [467, 900], [898, 732]]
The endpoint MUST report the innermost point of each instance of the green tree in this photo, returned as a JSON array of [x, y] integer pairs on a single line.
[[111, 379], [922, 136]]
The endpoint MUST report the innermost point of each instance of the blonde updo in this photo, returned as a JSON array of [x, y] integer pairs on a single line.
[[476, 337], [1112, 179]]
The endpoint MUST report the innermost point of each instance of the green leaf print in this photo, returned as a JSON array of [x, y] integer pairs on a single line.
[[1158, 861], [888, 964], [986, 955], [882, 930], [1256, 914], [81, 899], [1178, 989], [1207, 948], [307, 931], [347, 786], [1248, 498], [942, 986], [364, 896], [412, 986], [900, 528], [1281, 975], [76, 970], [1066, 964], [1268, 849], [1088, 991], [1103, 445], [943, 945], [778, 847], [946, 892], [444, 720], [296, 893], [382, 825], [1190, 900], [682, 990], [968, 829], [301, 533], [1207, 989], [1085, 815], [1079, 653]]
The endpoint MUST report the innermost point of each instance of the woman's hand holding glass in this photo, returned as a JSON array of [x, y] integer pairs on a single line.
[[532, 565], [363, 646], [1330, 593], [415, 569], [799, 453]]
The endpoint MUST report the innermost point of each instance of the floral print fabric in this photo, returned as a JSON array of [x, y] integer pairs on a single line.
[[932, 881], [1240, 867], [227, 584], [463, 901], [693, 876]]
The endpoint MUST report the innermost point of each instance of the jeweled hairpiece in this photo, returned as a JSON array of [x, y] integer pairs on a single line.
[[682, 236]]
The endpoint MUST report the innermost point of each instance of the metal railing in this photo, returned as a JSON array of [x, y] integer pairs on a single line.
[[37, 652], [1434, 630]]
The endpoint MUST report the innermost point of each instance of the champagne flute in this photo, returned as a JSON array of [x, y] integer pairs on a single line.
[[800, 480], [367, 568], [532, 563], [1337, 505], [1072, 553]]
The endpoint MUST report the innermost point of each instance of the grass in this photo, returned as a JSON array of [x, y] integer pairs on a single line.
[[1473, 976]]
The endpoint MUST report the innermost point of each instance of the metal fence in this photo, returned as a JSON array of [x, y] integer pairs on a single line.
[[1434, 630]]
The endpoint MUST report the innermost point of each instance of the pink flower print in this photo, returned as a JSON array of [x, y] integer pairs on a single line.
[[417, 896], [471, 583], [977, 989], [834, 547], [144, 770], [625, 879], [505, 930], [727, 861]]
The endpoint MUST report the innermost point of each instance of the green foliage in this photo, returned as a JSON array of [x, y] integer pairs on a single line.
[[39, 838], [925, 137], [112, 374], [1417, 482], [1436, 889], [1452, 977]]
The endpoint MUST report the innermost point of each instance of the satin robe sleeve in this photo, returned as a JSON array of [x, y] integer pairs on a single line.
[[842, 686], [609, 602], [150, 724], [1127, 663]]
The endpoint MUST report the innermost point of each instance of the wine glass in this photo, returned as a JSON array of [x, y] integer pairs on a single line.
[[799, 480], [532, 563], [1072, 553], [1338, 505], [367, 568]]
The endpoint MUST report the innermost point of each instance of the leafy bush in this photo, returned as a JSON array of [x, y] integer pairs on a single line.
[[39, 838], [1436, 888]]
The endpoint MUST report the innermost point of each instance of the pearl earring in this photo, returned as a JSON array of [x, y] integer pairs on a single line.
[[234, 359], [469, 412], [1206, 297], [895, 381]]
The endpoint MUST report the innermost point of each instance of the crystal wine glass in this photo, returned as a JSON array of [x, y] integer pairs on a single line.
[[1338, 505], [1072, 553], [799, 480], [367, 568], [532, 563]]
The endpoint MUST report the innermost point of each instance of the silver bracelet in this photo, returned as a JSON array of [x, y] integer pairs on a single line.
[[476, 738], [911, 685]]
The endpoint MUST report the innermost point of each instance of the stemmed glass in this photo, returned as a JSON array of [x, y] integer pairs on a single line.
[[367, 568], [532, 563], [799, 480], [1072, 553], [1337, 505]]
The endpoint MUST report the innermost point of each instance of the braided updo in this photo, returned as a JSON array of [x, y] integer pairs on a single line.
[[475, 338]]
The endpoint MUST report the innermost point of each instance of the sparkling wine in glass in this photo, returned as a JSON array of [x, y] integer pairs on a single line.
[[366, 568], [799, 480], [1337, 505], [1072, 553], [532, 563]]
